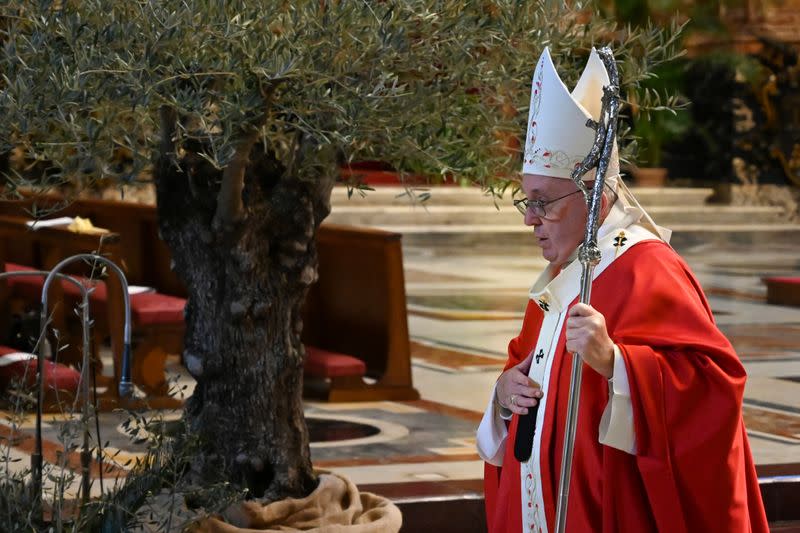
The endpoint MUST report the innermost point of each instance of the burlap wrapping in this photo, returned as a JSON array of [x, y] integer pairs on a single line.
[[336, 506]]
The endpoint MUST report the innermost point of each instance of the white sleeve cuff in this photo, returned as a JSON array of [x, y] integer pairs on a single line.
[[493, 432], [616, 424]]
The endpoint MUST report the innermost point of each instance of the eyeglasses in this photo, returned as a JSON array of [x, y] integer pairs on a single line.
[[536, 207]]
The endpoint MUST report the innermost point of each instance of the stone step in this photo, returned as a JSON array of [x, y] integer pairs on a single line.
[[488, 215], [454, 195], [455, 238]]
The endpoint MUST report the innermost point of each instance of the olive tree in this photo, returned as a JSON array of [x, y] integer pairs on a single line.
[[242, 114]]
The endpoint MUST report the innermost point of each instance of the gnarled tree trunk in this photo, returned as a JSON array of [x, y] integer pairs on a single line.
[[247, 280]]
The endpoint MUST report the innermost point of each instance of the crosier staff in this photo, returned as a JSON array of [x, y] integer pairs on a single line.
[[589, 254]]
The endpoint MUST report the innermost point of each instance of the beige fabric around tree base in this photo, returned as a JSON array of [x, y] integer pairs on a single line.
[[336, 506]]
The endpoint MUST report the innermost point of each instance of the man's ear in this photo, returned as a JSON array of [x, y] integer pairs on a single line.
[[605, 205]]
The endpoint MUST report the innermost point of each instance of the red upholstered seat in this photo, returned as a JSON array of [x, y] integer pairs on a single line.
[[13, 267], [154, 308], [97, 296], [31, 286], [27, 286], [56, 376], [788, 280], [783, 290], [327, 364], [146, 308]]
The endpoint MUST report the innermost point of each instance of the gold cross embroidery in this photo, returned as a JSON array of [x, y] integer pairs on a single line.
[[619, 242], [544, 304]]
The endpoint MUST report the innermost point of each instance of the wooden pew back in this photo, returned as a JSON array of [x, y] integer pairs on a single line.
[[43, 249], [357, 307], [147, 259]]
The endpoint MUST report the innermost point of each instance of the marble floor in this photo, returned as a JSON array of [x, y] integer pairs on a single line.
[[463, 307]]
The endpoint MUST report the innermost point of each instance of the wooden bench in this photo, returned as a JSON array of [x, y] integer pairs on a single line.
[[158, 318], [357, 309], [783, 290], [60, 381], [42, 249], [328, 365]]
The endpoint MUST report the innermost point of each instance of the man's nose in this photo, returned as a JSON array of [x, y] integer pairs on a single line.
[[531, 219]]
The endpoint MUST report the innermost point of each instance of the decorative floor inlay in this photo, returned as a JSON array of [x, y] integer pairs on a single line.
[[773, 423], [763, 339], [398, 459], [422, 430], [737, 294], [418, 276], [451, 360], [449, 410], [457, 315], [333, 430], [361, 435], [753, 268], [512, 303]]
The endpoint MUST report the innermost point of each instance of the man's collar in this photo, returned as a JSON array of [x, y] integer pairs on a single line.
[[557, 282]]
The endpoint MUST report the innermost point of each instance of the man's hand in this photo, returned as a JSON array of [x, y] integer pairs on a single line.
[[516, 391], [587, 336]]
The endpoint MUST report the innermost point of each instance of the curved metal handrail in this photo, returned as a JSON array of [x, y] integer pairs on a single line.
[[36, 456], [125, 384]]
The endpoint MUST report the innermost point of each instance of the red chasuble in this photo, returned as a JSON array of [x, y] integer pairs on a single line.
[[693, 470]]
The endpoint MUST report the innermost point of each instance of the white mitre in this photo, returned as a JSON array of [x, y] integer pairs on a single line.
[[558, 139]]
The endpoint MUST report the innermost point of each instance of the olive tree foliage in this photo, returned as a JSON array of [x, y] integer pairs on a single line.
[[241, 113], [88, 85]]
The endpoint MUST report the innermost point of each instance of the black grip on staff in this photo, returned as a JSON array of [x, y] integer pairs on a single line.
[[526, 427]]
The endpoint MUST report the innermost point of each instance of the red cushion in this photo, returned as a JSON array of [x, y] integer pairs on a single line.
[[5, 349], [14, 267], [146, 308], [154, 308], [789, 280], [97, 295], [27, 286], [31, 286], [324, 363], [56, 376]]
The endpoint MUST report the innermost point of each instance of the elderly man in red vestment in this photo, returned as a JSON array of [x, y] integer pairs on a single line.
[[661, 445]]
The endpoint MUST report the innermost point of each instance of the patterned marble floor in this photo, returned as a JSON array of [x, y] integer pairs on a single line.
[[462, 309]]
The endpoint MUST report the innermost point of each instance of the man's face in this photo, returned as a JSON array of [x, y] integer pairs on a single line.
[[562, 228]]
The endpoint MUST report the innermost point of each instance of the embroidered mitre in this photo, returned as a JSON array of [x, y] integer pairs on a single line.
[[558, 138]]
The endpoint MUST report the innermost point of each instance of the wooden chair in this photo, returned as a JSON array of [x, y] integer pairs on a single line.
[[355, 317], [357, 308], [41, 249], [47, 247]]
